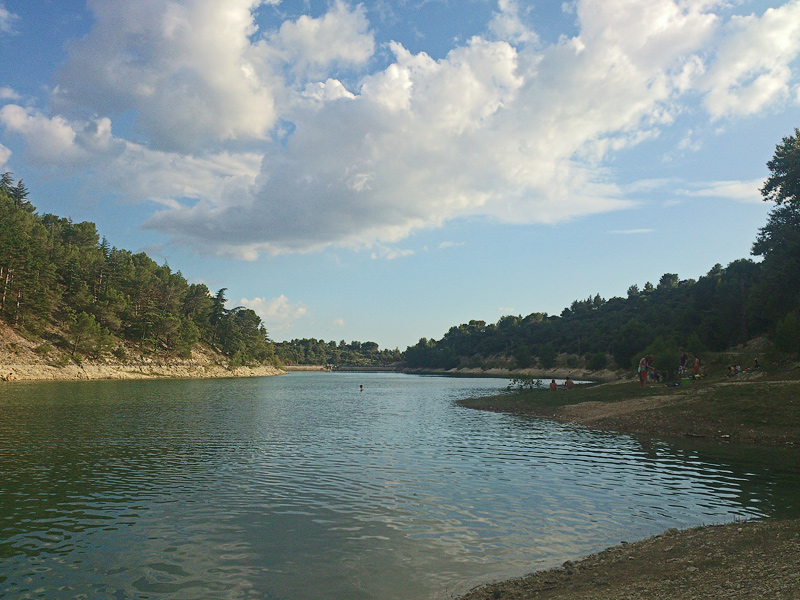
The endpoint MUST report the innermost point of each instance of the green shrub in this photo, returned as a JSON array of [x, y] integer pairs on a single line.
[[787, 333], [597, 361], [43, 348], [547, 355]]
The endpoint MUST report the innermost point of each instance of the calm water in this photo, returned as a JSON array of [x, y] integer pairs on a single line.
[[301, 487]]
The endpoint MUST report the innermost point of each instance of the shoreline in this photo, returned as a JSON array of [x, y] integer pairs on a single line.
[[142, 370], [754, 411], [750, 560], [26, 359]]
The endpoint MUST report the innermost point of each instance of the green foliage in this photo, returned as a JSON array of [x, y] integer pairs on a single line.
[[787, 333], [547, 355], [694, 345], [630, 341], [783, 184], [88, 337], [43, 349], [597, 361], [523, 356], [54, 271], [666, 355], [524, 383]]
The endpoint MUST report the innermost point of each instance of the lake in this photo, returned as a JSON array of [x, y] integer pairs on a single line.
[[303, 487]]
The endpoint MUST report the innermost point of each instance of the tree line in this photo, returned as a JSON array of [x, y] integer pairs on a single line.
[[727, 306], [54, 272], [319, 352]]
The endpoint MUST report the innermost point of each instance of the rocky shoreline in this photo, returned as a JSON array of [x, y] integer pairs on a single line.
[[756, 560], [22, 359], [187, 370]]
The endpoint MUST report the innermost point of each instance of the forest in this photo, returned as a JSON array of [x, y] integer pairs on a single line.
[[61, 279]]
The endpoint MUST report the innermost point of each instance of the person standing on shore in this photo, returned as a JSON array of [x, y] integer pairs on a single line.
[[645, 366]]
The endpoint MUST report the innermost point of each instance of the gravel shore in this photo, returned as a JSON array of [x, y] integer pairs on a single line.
[[757, 560]]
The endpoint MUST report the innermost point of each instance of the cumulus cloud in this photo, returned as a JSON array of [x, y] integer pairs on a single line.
[[187, 70], [278, 314], [295, 137], [312, 46], [49, 140], [752, 69], [512, 133], [134, 171], [506, 24]]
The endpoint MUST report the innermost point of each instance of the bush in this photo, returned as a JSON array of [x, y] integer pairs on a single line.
[[43, 348], [597, 361], [666, 355], [787, 333], [547, 355], [523, 383]]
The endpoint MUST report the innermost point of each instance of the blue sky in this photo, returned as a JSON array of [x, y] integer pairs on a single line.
[[385, 170]]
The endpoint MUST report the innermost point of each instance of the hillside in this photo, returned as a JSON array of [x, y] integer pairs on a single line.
[[37, 359]]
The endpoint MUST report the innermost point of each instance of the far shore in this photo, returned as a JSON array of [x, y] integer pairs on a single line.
[[143, 370]]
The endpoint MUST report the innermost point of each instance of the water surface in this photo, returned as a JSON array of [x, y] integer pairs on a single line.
[[302, 487]]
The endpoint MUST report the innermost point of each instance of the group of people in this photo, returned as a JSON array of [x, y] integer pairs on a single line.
[[684, 366], [646, 368], [736, 369], [568, 384]]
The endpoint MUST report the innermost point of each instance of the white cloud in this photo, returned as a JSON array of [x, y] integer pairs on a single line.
[[5, 154], [49, 140], [135, 172], [338, 322], [291, 139], [741, 191], [7, 93], [7, 20], [507, 24], [187, 69], [278, 314], [312, 46], [386, 253], [490, 130], [752, 69]]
